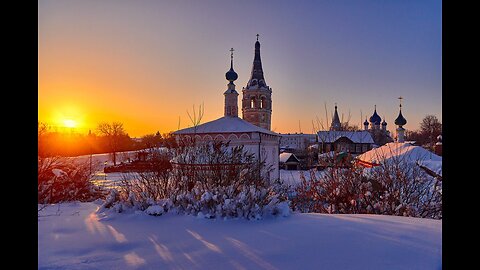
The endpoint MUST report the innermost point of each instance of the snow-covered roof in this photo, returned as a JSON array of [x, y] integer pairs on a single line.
[[226, 124], [404, 152], [355, 136], [285, 156]]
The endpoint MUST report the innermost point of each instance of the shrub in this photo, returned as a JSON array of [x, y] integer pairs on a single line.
[[211, 180], [64, 179], [396, 187]]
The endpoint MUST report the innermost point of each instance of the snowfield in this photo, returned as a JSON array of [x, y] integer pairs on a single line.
[[75, 236]]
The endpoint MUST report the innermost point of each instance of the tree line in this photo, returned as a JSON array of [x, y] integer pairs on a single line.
[[426, 135], [105, 138]]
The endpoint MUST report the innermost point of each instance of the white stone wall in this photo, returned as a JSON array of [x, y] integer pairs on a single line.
[[260, 144], [268, 149]]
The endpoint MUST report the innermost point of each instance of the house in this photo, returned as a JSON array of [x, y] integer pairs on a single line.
[[288, 161], [353, 142], [296, 141]]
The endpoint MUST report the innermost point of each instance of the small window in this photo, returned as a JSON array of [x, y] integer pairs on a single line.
[[252, 103], [364, 148], [351, 148]]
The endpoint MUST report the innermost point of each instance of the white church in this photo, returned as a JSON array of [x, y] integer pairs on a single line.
[[253, 129]]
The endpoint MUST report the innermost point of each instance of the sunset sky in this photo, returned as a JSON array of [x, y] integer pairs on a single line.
[[146, 63]]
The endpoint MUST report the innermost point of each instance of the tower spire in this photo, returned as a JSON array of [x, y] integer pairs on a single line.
[[336, 125], [256, 77], [231, 58], [257, 95]]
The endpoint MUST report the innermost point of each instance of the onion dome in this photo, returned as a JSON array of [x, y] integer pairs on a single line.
[[366, 122], [375, 118], [384, 123], [400, 121], [231, 75]]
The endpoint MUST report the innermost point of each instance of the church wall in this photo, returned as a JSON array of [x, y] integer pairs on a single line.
[[268, 150]]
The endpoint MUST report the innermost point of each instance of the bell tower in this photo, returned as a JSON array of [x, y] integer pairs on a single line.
[[257, 95], [231, 104]]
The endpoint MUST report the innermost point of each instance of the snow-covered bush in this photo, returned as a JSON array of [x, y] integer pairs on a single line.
[[152, 185], [336, 190], [211, 180], [406, 189], [65, 179], [393, 188]]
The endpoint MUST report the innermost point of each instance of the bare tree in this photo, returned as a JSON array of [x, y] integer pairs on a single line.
[[196, 119], [430, 128], [347, 127], [114, 133]]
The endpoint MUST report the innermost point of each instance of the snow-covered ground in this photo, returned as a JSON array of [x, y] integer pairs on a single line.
[[75, 236], [109, 180], [292, 177]]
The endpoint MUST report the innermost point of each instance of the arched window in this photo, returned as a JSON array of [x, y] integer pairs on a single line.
[[252, 102], [219, 137], [232, 137], [262, 103]]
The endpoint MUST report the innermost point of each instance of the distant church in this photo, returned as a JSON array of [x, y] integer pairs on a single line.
[[373, 135], [253, 131], [340, 140], [378, 129]]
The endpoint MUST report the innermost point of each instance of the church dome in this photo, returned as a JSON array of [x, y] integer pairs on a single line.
[[384, 123], [400, 121], [366, 122], [231, 75], [375, 118]]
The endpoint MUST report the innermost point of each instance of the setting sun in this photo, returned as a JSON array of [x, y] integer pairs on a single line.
[[69, 123]]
